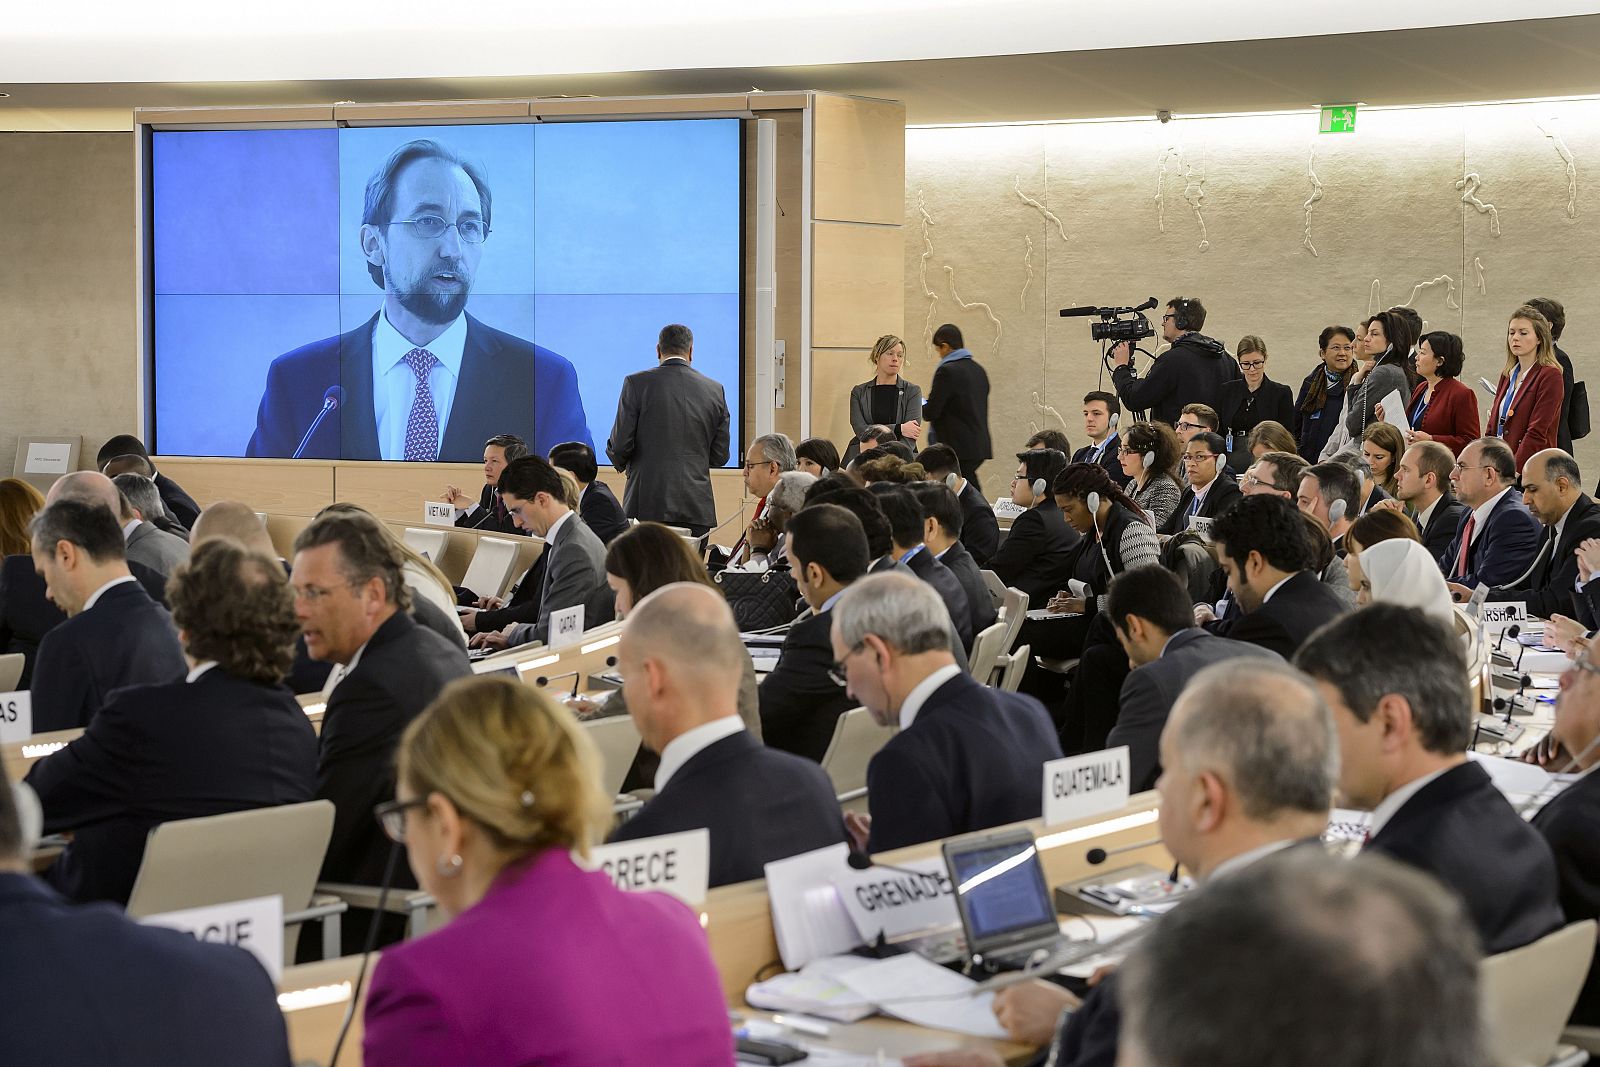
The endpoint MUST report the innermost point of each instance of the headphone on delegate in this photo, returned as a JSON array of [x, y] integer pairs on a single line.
[[1115, 419], [29, 814], [1039, 486], [952, 480], [1092, 502], [1336, 511]]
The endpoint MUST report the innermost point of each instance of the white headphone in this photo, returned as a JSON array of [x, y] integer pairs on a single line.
[[1336, 511], [1092, 502], [1150, 459], [1039, 486], [1115, 418], [952, 480], [29, 815]]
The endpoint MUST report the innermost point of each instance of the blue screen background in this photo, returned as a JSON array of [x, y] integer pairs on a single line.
[[602, 232]]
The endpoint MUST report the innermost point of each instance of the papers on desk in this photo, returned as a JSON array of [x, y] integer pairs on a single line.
[[1517, 780], [1347, 824], [1044, 613], [764, 662], [911, 988], [808, 918], [815, 989], [1538, 661]]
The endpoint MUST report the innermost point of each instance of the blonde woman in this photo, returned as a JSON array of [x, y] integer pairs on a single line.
[[887, 400], [1527, 403]]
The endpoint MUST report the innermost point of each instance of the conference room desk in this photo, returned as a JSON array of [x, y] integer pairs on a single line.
[[19, 756]]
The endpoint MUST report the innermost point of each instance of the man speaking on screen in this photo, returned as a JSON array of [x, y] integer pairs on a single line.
[[421, 380]]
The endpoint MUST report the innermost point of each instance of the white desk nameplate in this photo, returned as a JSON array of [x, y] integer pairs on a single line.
[[897, 903], [438, 513], [16, 716], [254, 925], [566, 627], [679, 864], [1079, 787]]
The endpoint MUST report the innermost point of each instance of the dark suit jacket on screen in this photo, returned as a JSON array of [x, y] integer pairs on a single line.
[[980, 605], [958, 410], [1460, 829], [1037, 553], [26, 614], [93, 986], [970, 760], [156, 753], [671, 429], [760, 805], [1284, 623], [125, 639], [507, 385], [1569, 824], [1502, 549], [800, 702]]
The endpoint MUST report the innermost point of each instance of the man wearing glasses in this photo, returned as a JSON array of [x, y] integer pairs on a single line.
[[421, 380], [1193, 370], [1498, 538]]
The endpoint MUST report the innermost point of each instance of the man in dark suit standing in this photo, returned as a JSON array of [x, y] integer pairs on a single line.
[[1262, 545], [1209, 492], [958, 403], [1101, 414], [90, 985], [682, 661], [351, 600], [1397, 683], [1037, 552], [967, 757], [489, 513], [114, 636], [226, 737], [597, 505], [800, 700], [178, 503], [1498, 538], [671, 429], [1422, 485], [941, 532], [980, 529], [421, 380], [905, 531]]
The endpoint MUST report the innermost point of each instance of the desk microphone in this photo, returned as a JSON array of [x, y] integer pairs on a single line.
[[860, 861], [332, 401], [543, 681], [1097, 856], [366, 953], [1511, 632]]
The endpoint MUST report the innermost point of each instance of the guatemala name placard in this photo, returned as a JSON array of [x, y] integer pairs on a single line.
[[1082, 786]]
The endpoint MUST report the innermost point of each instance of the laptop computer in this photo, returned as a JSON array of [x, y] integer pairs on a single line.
[[1007, 913]]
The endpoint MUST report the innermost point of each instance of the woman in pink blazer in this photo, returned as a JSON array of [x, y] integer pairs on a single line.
[[1527, 402], [542, 961]]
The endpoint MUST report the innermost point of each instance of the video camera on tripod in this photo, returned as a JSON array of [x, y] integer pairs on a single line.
[[1116, 324]]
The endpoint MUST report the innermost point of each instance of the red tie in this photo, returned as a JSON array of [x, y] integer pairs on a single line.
[[1466, 543]]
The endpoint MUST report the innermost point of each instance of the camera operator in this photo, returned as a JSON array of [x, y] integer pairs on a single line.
[[1192, 371]]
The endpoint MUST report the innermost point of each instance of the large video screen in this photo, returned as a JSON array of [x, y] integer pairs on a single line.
[[407, 293]]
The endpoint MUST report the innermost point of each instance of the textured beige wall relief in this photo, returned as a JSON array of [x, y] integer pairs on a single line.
[[1469, 186], [1571, 165]]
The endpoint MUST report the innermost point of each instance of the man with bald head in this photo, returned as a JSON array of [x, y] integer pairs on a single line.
[[681, 662], [237, 522]]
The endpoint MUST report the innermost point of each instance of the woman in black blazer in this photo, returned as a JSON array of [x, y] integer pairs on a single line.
[[887, 400], [1251, 400]]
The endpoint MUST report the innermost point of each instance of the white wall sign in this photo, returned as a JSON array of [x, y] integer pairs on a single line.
[[679, 864], [566, 627], [899, 903], [47, 457], [16, 716], [1504, 613], [1080, 786], [255, 925], [438, 513]]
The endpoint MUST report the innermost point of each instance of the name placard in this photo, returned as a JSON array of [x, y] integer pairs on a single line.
[[16, 716], [1501, 614], [255, 925], [46, 457], [1082, 786], [679, 864], [1201, 525], [1005, 508], [566, 627], [896, 904], [438, 513]]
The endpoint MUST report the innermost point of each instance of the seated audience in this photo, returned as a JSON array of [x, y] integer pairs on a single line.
[[1381, 449], [1335, 946], [768, 545], [497, 789], [800, 699], [432, 600], [980, 530], [1039, 546], [139, 489], [598, 507], [1102, 414], [1422, 487], [1397, 571], [1050, 439], [146, 542], [226, 737], [1397, 683], [489, 513], [816, 456], [864, 505], [351, 600], [681, 661], [1274, 474], [1264, 548], [1269, 436], [114, 636], [905, 533], [180, 505], [1331, 494], [90, 985], [1197, 418], [1499, 537], [768, 456], [1151, 457], [941, 532], [892, 469], [1210, 492], [19, 503], [967, 757]]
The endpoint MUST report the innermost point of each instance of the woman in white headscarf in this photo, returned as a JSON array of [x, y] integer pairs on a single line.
[[1400, 571]]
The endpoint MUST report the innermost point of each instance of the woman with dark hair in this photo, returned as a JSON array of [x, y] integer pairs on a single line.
[[1527, 402], [1316, 411], [817, 456], [1381, 448], [1385, 370], [1250, 400], [1150, 452], [888, 399], [1442, 408]]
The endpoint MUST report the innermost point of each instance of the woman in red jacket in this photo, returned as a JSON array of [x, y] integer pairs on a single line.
[[1442, 408], [1527, 402]]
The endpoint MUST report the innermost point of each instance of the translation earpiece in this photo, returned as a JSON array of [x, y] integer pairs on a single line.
[[1220, 458], [1150, 459], [1115, 418], [1039, 487], [1092, 501], [1336, 511], [951, 481], [29, 814]]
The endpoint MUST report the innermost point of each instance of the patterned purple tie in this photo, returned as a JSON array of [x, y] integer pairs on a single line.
[[422, 426]]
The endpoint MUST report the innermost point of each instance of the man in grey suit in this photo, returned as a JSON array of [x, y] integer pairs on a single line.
[[139, 503], [671, 429], [576, 574], [1152, 616]]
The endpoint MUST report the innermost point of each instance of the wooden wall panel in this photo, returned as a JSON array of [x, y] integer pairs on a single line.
[[858, 284], [278, 487], [398, 490], [859, 153], [834, 372]]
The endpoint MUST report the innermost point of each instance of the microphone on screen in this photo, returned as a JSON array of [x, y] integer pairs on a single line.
[[332, 401], [1097, 856]]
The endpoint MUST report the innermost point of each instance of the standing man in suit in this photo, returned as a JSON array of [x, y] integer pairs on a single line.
[[226, 737], [1397, 683], [114, 636], [1498, 538], [576, 572], [490, 513], [681, 661], [672, 427], [351, 601], [1266, 554], [1101, 414], [1209, 493], [146, 543], [905, 530], [1192, 371], [597, 505], [1154, 622], [1037, 552], [958, 402], [178, 503], [1422, 485], [421, 380], [980, 529], [941, 532], [967, 757]]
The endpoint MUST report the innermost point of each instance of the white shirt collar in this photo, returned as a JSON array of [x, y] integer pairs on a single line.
[[199, 669], [128, 528], [1390, 805], [1481, 512], [1427, 513], [1275, 588], [394, 385], [1245, 859], [827, 605], [94, 598], [923, 690], [550, 534], [690, 743], [341, 671], [389, 345], [1561, 523]]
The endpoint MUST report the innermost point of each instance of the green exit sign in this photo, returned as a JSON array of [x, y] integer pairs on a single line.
[[1338, 118]]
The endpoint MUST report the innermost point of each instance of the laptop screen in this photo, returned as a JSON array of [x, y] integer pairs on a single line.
[[1000, 889]]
